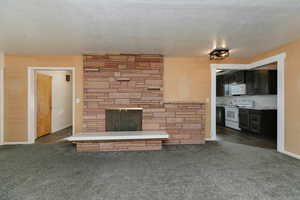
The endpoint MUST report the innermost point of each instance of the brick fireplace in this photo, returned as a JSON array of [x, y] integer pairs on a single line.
[[123, 81], [136, 81]]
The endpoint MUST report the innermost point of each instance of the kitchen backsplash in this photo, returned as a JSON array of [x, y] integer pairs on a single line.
[[260, 100]]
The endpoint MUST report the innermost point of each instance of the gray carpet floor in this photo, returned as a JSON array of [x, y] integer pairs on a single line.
[[214, 171]]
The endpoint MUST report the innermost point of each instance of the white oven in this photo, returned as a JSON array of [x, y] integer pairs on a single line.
[[232, 117]]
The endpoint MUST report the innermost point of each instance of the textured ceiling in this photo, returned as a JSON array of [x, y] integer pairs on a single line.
[[169, 27]]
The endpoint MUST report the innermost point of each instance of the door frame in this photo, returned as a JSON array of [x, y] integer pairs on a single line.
[[280, 60], [31, 107], [1, 99]]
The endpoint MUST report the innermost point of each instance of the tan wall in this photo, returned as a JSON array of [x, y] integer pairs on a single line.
[[15, 123], [292, 93], [189, 79], [185, 79]]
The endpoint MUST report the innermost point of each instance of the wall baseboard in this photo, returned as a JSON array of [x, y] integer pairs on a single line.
[[14, 143], [291, 154], [62, 128], [210, 139]]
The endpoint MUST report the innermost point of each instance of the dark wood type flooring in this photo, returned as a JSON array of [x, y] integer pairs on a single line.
[[246, 138], [54, 138]]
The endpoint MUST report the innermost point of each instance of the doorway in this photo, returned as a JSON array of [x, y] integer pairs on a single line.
[[279, 60], [50, 104], [246, 111]]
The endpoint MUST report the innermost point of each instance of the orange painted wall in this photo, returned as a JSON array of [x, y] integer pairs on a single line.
[[189, 79], [292, 93], [15, 91], [185, 79]]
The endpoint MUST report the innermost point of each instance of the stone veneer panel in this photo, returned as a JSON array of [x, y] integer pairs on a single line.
[[128, 80], [123, 81], [131, 145], [185, 123]]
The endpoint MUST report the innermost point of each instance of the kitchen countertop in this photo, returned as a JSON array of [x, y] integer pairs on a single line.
[[251, 108]]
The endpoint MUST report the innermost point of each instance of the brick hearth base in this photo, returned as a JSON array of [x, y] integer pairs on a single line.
[[137, 145]]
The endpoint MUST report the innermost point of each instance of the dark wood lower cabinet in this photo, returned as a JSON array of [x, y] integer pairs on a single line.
[[263, 122], [244, 119], [220, 115]]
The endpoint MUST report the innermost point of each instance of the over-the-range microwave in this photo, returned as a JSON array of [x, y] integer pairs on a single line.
[[238, 89]]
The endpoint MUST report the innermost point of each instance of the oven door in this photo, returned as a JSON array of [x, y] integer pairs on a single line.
[[232, 118], [232, 114]]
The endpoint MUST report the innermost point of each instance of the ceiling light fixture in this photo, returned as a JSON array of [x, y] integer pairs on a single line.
[[219, 54]]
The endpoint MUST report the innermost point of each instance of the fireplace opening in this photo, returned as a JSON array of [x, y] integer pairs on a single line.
[[123, 119]]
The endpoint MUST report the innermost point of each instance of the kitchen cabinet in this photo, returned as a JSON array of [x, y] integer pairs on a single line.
[[263, 122], [223, 82], [244, 119], [239, 77], [258, 82], [220, 86], [261, 82], [226, 85], [220, 116]]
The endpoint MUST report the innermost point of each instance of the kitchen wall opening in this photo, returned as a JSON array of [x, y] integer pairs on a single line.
[[246, 106]]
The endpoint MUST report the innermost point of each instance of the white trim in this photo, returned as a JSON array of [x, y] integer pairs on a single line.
[[210, 139], [59, 129], [280, 59], [230, 66], [292, 154], [2, 63], [14, 143], [213, 108], [31, 99]]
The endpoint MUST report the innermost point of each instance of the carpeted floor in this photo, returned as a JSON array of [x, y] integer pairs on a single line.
[[214, 171]]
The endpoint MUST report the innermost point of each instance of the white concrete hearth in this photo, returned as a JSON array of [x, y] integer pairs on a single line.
[[119, 141], [119, 135]]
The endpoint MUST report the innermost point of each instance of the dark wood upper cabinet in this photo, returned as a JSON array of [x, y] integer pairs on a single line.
[[239, 77], [220, 86], [258, 82], [228, 79], [223, 82], [261, 82]]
